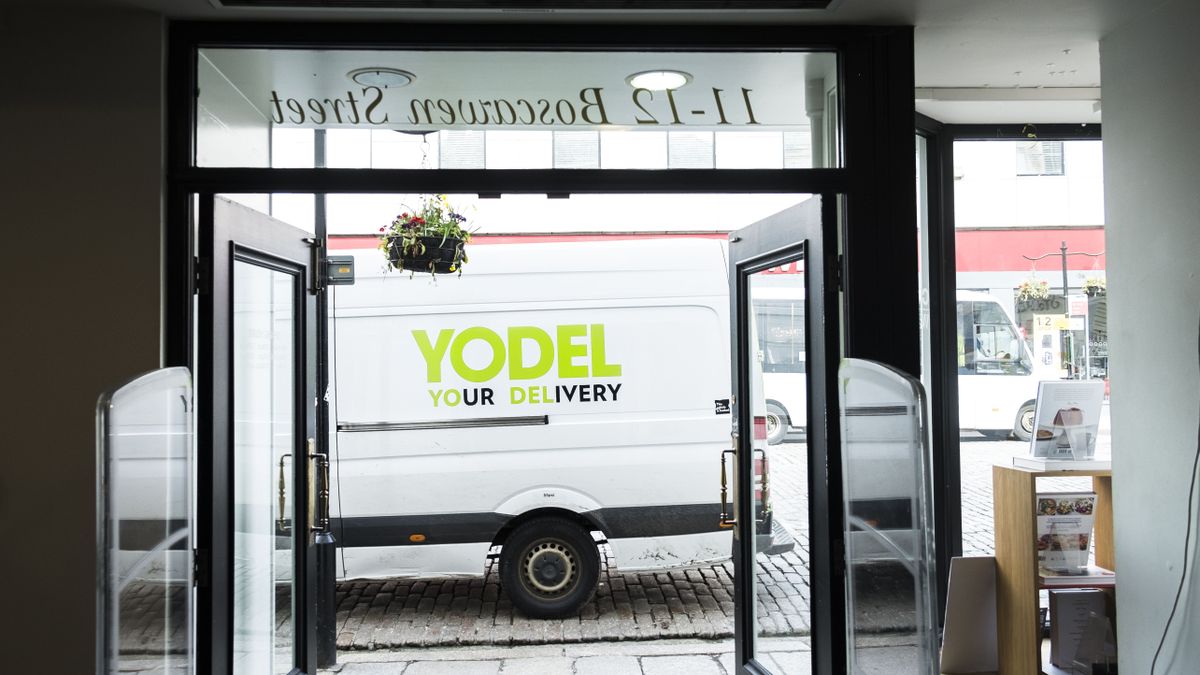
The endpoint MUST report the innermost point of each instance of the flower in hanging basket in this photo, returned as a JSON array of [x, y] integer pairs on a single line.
[[1094, 286], [430, 239], [1033, 289]]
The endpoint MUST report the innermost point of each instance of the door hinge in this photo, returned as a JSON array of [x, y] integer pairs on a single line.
[[201, 276], [316, 276], [200, 567]]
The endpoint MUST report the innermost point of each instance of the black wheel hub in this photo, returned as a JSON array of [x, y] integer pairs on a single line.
[[549, 568]]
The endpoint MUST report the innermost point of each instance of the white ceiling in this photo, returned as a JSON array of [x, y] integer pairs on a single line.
[[994, 44]]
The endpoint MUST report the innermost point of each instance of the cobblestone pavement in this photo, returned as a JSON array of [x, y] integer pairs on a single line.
[[691, 603]]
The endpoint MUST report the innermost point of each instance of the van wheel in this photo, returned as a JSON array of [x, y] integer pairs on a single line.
[[549, 568], [1023, 427], [777, 423]]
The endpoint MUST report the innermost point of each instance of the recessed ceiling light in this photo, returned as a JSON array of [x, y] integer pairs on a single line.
[[381, 77], [658, 80]]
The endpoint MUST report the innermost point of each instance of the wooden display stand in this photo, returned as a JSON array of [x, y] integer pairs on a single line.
[[1017, 624]]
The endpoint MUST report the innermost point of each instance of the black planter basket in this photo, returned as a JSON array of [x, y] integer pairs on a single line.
[[433, 255]]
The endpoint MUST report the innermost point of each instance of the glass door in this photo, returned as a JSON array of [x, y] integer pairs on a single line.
[[785, 351], [260, 474]]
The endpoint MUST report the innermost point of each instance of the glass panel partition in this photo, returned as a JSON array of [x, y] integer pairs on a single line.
[[1031, 300], [887, 482], [144, 462], [517, 110]]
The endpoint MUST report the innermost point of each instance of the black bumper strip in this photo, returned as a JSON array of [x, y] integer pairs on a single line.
[[473, 528]]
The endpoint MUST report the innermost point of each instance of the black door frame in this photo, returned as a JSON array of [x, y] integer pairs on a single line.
[[221, 247], [941, 254], [763, 245], [877, 214]]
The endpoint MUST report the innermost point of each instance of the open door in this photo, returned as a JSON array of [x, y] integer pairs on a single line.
[[260, 477], [784, 361]]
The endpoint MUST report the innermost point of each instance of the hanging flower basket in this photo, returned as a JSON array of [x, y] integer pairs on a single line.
[[431, 239], [435, 255], [1094, 286], [1033, 289]]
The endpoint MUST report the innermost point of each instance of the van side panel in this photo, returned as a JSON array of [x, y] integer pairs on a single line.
[[612, 387]]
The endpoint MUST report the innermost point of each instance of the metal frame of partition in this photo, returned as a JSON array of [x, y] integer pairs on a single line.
[[875, 102]]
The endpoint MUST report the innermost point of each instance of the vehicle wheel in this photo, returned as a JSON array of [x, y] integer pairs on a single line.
[[777, 423], [549, 567], [1023, 427]]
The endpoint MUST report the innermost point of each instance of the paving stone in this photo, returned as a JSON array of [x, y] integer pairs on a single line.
[[453, 668], [373, 668], [607, 665], [536, 666], [680, 665]]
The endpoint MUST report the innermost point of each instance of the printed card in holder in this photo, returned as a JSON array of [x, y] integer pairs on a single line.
[[1067, 419], [1064, 530]]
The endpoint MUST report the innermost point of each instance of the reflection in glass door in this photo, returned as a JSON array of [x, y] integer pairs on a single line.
[[779, 415], [264, 382]]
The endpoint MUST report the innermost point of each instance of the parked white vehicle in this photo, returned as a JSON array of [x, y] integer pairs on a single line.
[[551, 396], [998, 376]]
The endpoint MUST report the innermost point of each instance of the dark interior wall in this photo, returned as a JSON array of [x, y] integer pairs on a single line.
[[81, 176]]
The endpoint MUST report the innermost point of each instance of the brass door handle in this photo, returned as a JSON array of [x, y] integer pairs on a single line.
[[318, 496], [765, 500], [281, 523], [727, 519]]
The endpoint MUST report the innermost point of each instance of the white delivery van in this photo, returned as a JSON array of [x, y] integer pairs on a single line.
[[552, 395]]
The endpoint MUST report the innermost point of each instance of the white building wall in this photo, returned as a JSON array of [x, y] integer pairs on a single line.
[[1151, 95], [989, 193]]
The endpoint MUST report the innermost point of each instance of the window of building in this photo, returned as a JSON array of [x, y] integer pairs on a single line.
[[1040, 158]]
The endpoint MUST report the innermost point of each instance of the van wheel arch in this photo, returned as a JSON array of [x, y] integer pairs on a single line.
[[518, 520]]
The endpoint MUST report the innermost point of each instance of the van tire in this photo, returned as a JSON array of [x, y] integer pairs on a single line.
[[777, 423], [1023, 425], [562, 551]]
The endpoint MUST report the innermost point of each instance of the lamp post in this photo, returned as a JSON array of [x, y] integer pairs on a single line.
[[1062, 252]]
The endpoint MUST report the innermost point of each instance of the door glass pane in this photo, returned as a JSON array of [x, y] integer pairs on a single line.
[[145, 464], [518, 109], [264, 440], [779, 402], [887, 482]]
